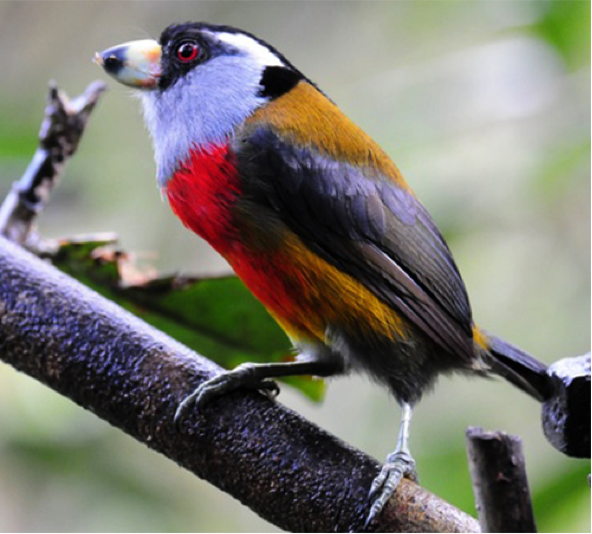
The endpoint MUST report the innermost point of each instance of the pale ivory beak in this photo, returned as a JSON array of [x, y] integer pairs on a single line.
[[136, 63]]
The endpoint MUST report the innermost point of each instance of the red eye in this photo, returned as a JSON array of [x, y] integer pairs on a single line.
[[187, 52]]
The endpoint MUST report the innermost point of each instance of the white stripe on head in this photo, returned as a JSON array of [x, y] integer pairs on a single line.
[[252, 47], [204, 106]]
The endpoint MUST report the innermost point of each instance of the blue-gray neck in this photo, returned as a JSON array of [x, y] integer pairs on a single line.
[[204, 107]]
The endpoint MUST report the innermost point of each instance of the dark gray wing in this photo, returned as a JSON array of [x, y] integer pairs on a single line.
[[368, 227]]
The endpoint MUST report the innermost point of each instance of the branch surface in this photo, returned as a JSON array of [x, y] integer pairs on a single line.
[[498, 470], [284, 468], [60, 134], [566, 413]]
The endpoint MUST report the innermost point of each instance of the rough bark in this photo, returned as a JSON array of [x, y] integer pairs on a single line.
[[496, 461], [566, 413], [284, 468]]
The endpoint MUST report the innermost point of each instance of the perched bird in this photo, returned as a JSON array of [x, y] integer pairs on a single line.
[[315, 219]]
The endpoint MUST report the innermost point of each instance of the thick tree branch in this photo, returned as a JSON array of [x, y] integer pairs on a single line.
[[284, 468], [566, 413], [61, 131], [496, 461]]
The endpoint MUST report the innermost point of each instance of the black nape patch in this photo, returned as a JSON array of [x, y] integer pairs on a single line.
[[278, 80]]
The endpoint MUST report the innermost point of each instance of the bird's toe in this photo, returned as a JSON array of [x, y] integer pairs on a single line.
[[399, 464]]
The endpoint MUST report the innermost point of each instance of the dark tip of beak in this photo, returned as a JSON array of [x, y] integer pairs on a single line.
[[112, 61]]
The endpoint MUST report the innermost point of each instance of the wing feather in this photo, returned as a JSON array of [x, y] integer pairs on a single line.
[[366, 225]]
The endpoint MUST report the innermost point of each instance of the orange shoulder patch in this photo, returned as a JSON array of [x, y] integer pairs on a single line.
[[310, 119]]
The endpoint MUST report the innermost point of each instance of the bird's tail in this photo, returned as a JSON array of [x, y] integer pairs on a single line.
[[517, 367]]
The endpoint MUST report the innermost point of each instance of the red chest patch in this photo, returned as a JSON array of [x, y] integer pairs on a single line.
[[202, 193]]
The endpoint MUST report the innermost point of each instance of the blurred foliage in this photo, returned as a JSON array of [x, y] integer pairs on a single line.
[[566, 25], [485, 106], [215, 316], [561, 497], [15, 143]]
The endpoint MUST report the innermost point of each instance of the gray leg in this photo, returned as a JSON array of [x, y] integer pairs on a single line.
[[255, 376], [398, 464]]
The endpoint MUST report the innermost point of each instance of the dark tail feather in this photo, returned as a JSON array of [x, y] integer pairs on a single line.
[[519, 368]]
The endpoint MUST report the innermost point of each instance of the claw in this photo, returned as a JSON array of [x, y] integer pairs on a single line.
[[377, 483], [268, 388], [398, 465], [220, 384], [183, 407]]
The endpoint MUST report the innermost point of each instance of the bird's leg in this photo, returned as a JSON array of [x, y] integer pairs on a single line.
[[398, 464], [253, 375]]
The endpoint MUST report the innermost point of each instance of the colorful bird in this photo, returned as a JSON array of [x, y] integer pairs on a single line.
[[315, 219]]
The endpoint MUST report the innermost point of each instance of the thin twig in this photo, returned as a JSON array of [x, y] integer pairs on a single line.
[[60, 134], [283, 467], [500, 485]]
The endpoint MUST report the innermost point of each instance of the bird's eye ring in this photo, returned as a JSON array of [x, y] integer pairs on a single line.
[[187, 52]]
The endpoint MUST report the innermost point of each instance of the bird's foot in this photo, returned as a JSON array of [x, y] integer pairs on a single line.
[[243, 376], [399, 464]]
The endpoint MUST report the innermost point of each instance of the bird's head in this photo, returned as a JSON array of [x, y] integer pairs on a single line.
[[198, 84]]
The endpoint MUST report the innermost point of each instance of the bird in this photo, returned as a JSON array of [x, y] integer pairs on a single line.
[[317, 221]]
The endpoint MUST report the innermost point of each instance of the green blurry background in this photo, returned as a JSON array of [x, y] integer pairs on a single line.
[[485, 106]]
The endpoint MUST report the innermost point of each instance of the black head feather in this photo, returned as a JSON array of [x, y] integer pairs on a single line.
[[275, 80]]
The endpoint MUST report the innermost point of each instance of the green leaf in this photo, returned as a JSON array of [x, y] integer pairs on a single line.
[[217, 317]]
